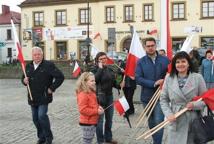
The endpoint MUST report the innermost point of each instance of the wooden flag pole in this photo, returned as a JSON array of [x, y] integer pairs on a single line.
[[28, 87]]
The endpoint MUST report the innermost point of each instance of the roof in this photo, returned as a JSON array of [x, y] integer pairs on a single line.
[[5, 18], [34, 3]]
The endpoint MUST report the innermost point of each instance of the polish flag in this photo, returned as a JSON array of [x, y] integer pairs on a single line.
[[76, 70], [187, 44], [18, 47], [136, 52], [208, 98], [95, 51], [121, 105], [166, 40], [97, 35], [152, 32]]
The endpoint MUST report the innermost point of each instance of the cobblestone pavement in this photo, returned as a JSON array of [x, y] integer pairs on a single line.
[[17, 127]]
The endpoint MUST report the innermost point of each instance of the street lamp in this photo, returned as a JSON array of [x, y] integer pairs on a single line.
[[88, 40]]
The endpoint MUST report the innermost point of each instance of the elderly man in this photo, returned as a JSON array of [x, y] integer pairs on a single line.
[[43, 78]]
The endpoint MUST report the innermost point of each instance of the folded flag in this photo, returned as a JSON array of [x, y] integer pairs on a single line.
[[76, 70], [121, 105]]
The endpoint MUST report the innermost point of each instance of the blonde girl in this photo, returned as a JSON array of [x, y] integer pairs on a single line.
[[88, 106]]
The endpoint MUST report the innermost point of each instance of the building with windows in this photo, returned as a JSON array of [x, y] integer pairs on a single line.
[[60, 27], [7, 47]]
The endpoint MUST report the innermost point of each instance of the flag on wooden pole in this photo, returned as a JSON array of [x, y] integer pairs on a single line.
[[18, 46], [136, 52]]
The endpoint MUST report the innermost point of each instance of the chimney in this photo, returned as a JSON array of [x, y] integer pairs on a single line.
[[5, 9]]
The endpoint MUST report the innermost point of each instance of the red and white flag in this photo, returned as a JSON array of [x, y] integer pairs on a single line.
[[76, 70], [166, 40], [136, 52], [95, 51], [152, 32], [97, 35], [121, 105], [18, 46]]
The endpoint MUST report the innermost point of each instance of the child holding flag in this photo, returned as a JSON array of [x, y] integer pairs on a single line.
[[88, 106]]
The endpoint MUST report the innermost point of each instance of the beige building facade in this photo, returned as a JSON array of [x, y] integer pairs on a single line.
[[60, 27]]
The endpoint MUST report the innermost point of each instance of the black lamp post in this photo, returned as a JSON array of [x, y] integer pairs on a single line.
[[88, 40]]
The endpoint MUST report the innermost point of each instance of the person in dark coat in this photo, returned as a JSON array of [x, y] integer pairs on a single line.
[[129, 86], [43, 78], [105, 81]]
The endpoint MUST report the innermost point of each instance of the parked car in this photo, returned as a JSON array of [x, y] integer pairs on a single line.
[[117, 55]]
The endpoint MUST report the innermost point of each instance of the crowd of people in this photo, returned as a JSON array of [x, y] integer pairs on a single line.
[[95, 97]]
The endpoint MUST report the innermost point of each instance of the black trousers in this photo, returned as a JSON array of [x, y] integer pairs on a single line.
[[129, 93]]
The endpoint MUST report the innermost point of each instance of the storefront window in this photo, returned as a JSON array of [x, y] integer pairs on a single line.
[[61, 50], [207, 42], [83, 49]]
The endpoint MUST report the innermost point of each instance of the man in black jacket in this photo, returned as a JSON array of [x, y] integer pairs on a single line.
[[43, 78]]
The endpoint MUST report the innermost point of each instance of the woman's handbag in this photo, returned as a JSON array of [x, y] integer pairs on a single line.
[[203, 128]]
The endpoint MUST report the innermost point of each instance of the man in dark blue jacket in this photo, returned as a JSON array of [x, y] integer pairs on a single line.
[[150, 72], [43, 78]]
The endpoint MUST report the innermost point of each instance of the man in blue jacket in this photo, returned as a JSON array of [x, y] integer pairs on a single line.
[[150, 72]]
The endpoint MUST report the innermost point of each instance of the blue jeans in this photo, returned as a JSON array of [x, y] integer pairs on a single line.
[[42, 123], [156, 117], [106, 134]]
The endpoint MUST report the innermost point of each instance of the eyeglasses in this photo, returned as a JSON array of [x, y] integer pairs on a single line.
[[103, 58], [148, 46]]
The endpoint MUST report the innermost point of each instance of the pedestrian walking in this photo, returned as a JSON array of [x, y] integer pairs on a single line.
[[43, 78]]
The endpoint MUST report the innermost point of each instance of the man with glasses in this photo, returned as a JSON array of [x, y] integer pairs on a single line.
[[150, 72], [105, 81]]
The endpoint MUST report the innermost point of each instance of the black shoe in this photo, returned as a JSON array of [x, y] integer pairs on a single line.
[[48, 142], [40, 141]]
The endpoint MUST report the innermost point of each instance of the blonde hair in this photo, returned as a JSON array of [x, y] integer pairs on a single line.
[[81, 83]]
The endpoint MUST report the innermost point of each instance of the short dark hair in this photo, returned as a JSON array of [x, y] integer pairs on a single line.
[[149, 39], [208, 51], [163, 50], [180, 55], [99, 54]]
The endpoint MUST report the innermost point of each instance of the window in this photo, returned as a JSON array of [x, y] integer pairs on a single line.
[[208, 9], [61, 49], [128, 13], [207, 42], [110, 14], [178, 11], [83, 50], [61, 17], [9, 52], [148, 12], [83, 16], [38, 18], [9, 34]]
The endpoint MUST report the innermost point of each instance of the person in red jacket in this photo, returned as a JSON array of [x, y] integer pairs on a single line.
[[88, 106]]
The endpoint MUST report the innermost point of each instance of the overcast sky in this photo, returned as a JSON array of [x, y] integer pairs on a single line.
[[12, 3]]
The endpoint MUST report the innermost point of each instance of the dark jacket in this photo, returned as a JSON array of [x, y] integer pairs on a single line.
[[147, 73], [106, 78], [47, 75]]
